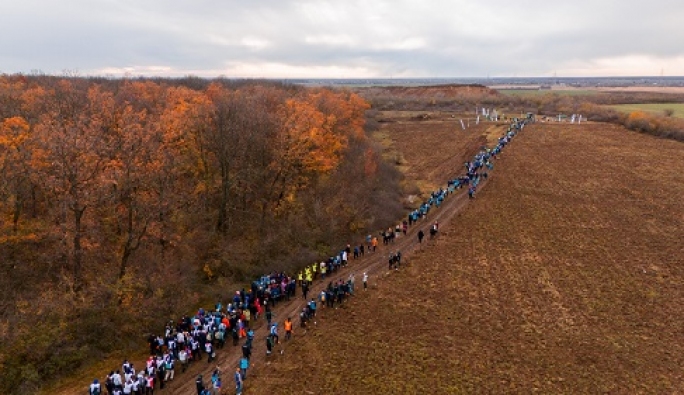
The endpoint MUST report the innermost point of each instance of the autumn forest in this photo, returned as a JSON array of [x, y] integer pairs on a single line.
[[125, 202]]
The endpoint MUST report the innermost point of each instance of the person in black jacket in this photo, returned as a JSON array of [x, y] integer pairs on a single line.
[[200, 384]]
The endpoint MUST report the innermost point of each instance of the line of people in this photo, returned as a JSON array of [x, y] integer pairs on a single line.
[[187, 340]]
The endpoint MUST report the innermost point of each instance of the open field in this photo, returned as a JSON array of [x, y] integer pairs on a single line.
[[587, 90], [537, 92], [650, 89], [442, 149], [653, 108], [563, 276]]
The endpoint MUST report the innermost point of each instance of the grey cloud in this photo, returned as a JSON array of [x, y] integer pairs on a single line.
[[409, 37]]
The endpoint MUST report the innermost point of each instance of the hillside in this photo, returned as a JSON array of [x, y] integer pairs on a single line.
[[430, 91], [451, 96], [563, 276]]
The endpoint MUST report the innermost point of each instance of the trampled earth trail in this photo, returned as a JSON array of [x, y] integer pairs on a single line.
[[563, 277], [373, 263]]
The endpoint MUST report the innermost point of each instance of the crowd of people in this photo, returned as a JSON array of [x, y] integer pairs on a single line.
[[192, 339]]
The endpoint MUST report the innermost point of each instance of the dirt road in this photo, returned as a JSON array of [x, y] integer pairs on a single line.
[[372, 263]]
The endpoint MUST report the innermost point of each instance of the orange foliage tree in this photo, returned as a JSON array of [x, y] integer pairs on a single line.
[[16, 152], [71, 134], [101, 178]]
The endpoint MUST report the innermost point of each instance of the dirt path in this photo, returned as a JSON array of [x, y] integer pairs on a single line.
[[373, 264]]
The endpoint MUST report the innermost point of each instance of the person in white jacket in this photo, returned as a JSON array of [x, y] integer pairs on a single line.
[[95, 388]]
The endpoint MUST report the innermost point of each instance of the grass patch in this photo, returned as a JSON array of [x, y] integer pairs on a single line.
[[652, 108]]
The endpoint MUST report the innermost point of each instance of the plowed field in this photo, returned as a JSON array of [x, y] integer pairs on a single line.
[[564, 275]]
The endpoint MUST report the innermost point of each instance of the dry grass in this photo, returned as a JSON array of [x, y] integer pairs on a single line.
[[427, 150], [653, 108], [564, 276]]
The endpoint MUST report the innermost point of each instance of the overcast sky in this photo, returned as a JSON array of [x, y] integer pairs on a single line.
[[343, 38]]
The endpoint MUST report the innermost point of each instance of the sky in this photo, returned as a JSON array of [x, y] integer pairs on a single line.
[[343, 38]]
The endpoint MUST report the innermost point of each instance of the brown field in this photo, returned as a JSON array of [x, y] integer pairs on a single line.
[[563, 89], [564, 276], [429, 146], [428, 92], [652, 89]]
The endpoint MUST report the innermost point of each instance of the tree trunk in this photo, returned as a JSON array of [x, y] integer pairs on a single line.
[[132, 241], [78, 250], [129, 244], [18, 204], [222, 223], [34, 202]]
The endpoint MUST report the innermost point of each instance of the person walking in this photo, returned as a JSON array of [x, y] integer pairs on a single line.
[[95, 388], [274, 333], [149, 385], [250, 338], [169, 368], [244, 365], [209, 349], [183, 359], [269, 316], [217, 386], [235, 333], [313, 307], [269, 345], [199, 383], [365, 281], [421, 235], [246, 351], [303, 319], [305, 289], [238, 382], [288, 328]]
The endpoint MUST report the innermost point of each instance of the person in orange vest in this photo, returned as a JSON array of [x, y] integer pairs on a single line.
[[288, 328], [374, 243]]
